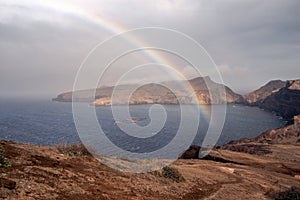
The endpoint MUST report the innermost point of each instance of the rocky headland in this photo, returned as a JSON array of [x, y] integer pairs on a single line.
[[281, 97], [256, 97], [285, 102], [157, 93]]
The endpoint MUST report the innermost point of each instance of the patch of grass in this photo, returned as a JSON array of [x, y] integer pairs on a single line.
[[4, 161], [73, 149], [291, 194], [190, 163], [3, 175], [172, 173]]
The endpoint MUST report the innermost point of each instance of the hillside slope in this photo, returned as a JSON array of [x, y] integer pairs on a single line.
[[44, 173]]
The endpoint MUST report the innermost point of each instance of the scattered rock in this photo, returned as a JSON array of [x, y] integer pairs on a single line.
[[6, 183], [191, 153], [227, 169]]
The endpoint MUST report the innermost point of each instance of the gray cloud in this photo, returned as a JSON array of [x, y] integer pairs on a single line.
[[43, 44]]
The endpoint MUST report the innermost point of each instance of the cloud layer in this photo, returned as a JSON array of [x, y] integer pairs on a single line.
[[42, 44]]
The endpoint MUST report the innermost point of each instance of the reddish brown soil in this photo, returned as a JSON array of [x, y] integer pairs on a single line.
[[44, 173]]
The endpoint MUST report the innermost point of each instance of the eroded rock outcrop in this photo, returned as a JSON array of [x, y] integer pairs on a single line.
[[191, 153]]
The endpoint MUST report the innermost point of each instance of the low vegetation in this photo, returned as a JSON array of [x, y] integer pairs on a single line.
[[4, 161], [172, 173], [291, 194], [73, 149]]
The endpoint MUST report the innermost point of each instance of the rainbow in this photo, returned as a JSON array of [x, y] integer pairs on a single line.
[[216, 121], [117, 29]]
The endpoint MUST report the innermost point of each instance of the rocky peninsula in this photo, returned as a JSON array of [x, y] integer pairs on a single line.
[[156, 93]]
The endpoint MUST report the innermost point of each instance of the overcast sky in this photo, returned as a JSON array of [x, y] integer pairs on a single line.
[[42, 43]]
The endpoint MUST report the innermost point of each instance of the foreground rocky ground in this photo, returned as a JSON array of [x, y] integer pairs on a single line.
[[45, 173], [246, 169]]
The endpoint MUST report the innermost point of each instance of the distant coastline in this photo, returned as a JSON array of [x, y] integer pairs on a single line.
[[281, 97]]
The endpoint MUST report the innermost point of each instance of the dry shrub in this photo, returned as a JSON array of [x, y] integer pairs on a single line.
[[73, 149], [172, 173], [290, 194], [4, 161]]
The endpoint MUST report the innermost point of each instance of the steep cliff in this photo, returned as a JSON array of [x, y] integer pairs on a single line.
[[257, 96], [281, 97], [286, 101]]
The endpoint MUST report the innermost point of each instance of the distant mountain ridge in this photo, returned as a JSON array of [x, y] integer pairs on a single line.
[[156, 93]]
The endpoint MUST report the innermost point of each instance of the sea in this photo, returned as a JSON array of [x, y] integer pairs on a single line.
[[46, 122]]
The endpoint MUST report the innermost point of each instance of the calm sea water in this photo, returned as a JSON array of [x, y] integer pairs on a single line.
[[43, 122]]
